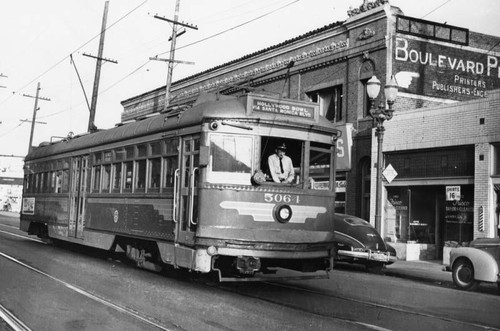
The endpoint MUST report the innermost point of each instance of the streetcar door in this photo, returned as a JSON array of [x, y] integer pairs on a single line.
[[187, 181], [79, 173]]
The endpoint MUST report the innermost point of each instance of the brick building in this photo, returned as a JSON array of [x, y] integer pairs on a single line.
[[434, 64]]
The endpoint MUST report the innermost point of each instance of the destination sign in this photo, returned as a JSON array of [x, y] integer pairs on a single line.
[[283, 108]]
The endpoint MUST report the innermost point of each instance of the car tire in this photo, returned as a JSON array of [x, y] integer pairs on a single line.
[[463, 275]]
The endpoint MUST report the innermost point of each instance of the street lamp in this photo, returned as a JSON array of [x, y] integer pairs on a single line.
[[380, 114]]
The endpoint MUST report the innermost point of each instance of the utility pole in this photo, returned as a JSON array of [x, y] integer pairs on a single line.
[[171, 60], [99, 58], [35, 109]]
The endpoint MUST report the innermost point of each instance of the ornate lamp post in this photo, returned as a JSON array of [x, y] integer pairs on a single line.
[[380, 114]]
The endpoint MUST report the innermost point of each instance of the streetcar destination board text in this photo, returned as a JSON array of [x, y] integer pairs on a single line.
[[283, 108]]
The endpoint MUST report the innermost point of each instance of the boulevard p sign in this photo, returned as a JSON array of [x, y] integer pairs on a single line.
[[453, 193]]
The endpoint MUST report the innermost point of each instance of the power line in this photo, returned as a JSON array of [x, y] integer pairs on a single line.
[[196, 42], [67, 56], [234, 27]]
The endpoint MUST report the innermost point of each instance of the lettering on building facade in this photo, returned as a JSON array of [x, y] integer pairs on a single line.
[[455, 73]]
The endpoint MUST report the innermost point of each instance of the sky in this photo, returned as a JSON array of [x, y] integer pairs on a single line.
[[38, 37]]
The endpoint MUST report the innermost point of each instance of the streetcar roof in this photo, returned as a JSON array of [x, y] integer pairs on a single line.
[[207, 106]]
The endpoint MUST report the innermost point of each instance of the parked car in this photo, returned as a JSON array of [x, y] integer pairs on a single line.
[[357, 241], [479, 262]]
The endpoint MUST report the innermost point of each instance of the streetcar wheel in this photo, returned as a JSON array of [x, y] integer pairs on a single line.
[[463, 275]]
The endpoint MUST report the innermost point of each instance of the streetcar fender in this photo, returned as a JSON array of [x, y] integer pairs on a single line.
[[485, 266]]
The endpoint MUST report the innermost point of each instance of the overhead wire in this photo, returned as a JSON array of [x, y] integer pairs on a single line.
[[76, 50], [194, 43]]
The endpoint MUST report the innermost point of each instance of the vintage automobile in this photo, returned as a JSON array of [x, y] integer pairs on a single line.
[[357, 241], [479, 262]]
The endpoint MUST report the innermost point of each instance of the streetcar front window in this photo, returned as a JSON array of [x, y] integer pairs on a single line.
[[231, 159]]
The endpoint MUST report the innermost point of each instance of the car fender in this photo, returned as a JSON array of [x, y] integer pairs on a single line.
[[485, 266]]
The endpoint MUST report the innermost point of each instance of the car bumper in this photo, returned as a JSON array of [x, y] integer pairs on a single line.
[[369, 256]]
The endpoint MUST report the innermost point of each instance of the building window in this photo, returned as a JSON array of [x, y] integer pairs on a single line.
[[432, 30], [496, 160], [330, 102]]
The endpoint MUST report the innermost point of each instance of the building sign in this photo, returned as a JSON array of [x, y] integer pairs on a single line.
[[340, 186], [451, 72], [344, 147], [452, 193], [283, 108]]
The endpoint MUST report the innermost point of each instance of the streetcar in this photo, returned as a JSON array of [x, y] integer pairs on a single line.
[[189, 188]]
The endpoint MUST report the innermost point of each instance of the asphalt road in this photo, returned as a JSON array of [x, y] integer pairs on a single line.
[[71, 288]]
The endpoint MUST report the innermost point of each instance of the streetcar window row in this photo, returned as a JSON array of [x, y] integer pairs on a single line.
[[140, 168], [56, 181], [148, 167]]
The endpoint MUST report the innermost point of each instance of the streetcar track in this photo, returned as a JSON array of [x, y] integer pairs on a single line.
[[378, 305], [122, 309], [358, 301], [21, 236], [15, 323]]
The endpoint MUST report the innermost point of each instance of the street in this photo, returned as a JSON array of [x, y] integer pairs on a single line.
[[67, 287]]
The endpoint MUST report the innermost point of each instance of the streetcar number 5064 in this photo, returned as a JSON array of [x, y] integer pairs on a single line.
[[286, 198]]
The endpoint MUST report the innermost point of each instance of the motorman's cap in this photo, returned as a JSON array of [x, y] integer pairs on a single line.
[[282, 147]]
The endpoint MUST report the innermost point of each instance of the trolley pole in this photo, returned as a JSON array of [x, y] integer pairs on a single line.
[[35, 109]]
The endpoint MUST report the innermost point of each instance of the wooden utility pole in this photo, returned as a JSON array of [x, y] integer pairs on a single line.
[[99, 58], [171, 60], [35, 109]]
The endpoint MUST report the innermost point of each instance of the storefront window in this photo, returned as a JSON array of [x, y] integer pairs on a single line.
[[428, 215]]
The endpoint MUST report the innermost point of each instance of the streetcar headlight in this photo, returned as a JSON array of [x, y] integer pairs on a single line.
[[282, 213], [214, 125], [212, 250]]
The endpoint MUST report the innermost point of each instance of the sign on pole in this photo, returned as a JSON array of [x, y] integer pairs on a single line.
[[390, 173]]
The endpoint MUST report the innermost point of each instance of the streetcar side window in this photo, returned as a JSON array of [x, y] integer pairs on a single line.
[[97, 178], [58, 187], [65, 179], [320, 159], [154, 165], [128, 168], [117, 177], [106, 177], [155, 174], [170, 163], [140, 184]]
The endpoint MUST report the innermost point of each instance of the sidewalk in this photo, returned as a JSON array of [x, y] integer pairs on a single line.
[[428, 271]]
